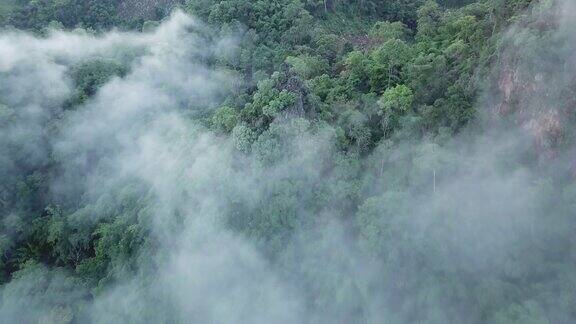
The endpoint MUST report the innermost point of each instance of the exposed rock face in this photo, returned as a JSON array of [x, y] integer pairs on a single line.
[[536, 83], [145, 9]]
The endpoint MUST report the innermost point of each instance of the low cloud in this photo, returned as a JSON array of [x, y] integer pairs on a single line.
[[293, 231]]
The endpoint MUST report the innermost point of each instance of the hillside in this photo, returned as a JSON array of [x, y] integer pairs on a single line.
[[288, 161]]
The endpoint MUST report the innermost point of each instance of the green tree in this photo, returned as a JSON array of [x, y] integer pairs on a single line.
[[225, 119], [387, 64], [395, 103]]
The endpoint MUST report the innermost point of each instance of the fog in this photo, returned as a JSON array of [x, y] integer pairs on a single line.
[[416, 227]]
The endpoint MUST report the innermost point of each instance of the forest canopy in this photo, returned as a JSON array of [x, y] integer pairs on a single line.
[[287, 161]]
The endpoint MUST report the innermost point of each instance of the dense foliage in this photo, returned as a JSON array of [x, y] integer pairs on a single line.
[[346, 111]]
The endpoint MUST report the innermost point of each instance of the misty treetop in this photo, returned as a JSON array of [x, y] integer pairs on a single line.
[[289, 161]]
